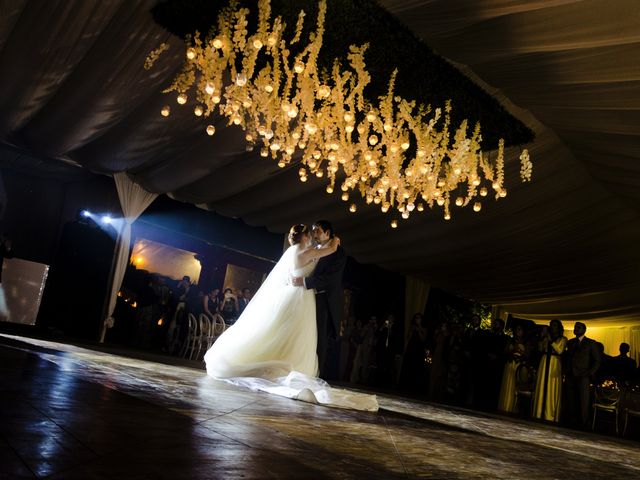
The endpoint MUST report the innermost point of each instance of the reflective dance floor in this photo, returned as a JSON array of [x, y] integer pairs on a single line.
[[75, 413]]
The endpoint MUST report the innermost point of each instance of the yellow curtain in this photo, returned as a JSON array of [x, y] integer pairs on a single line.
[[415, 301]]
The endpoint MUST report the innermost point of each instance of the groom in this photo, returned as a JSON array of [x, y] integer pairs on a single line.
[[326, 281]]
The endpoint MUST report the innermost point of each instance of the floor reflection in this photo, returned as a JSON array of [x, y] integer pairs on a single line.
[[70, 412]]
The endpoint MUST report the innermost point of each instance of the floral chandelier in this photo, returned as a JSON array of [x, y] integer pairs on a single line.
[[395, 154]]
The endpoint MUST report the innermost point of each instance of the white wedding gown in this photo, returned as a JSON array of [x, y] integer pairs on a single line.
[[272, 346]]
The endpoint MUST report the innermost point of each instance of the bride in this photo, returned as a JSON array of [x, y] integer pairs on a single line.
[[272, 346]]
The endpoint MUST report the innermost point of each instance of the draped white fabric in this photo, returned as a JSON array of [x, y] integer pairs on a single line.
[[133, 200], [564, 245]]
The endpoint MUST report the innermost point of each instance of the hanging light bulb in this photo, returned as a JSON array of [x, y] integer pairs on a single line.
[[420, 207], [373, 139], [459, 201], [345, 197], [324, 91], [329, 189], [394, 224], [191, 53], [209, 88], [165, 111], [352, 208], [257, 44], [477, 207], [483, 192], [182, 99], [198, 111], [241, 79], [217, 43], [211, 130], [440, 201]]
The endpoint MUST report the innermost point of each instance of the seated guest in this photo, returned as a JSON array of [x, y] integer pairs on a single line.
[[623, 367]]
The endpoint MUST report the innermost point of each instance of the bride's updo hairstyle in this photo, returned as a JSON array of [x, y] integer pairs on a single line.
[[296, 233]]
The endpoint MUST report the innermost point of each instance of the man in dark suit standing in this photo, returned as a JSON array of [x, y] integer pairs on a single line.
[[584, 361], [326, 281]]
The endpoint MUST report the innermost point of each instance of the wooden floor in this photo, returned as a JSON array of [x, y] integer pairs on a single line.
[[74, 413]]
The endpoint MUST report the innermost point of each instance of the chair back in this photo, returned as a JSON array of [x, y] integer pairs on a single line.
[[607, 394], [193, 323], [525, 379], [204, 325], [218, 324]]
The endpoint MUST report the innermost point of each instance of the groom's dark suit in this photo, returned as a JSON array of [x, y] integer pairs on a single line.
[[326, 280]]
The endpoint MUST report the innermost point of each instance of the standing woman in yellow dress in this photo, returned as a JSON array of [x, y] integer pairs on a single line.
[[516, 354], [546, 400]]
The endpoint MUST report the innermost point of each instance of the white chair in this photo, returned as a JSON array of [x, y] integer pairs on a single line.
[[191, 338], [218, 327], [607, 399], [204, 332]]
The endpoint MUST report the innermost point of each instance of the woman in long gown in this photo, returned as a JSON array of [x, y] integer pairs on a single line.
[[272, 345], [515, 355], [548, 392]]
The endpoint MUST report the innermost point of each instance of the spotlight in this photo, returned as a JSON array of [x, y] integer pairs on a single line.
[[86, 213], [106, 219]]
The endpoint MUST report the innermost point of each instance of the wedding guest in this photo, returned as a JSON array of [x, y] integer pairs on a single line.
[[145, 300], [229, 307], [548, 393], [364, 361], [243, 300], [623, 367], [497, 341], [211, 302], [438, 377], [389, 351], [413, 367], [476, 355], [605, 371], [177, 331], [456, 363], [584, 360], [515, 354]]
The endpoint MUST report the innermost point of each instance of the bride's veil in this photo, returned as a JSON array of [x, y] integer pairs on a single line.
[[276, 280]]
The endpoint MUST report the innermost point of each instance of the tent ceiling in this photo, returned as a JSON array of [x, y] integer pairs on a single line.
[[566, 244]]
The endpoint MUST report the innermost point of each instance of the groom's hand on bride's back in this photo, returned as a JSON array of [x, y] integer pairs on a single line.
[[296, 281]]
